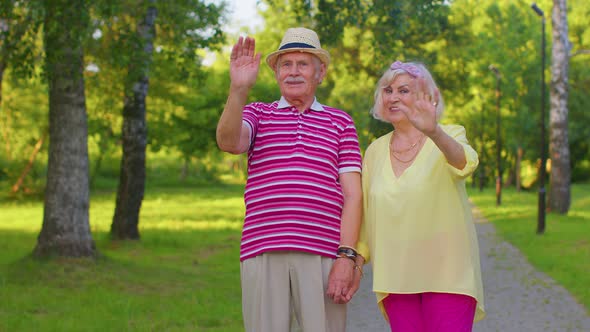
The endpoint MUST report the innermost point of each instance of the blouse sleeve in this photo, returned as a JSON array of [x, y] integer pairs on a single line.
[[459, 134], [363, 245]]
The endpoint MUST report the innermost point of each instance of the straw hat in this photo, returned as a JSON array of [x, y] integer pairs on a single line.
[[299, 40]]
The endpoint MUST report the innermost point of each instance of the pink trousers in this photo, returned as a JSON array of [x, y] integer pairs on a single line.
[[430, 312]]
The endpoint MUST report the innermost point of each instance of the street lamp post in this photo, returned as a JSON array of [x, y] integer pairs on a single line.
[[482, 169], [542, 168], [498, 138]]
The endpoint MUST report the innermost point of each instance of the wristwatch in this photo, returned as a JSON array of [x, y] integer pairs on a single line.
[[347, 252]]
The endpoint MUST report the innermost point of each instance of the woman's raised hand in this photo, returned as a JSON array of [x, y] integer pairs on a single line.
[[422, 114], [244, 63]]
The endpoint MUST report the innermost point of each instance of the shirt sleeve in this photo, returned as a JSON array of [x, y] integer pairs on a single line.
[[349, 155], [250, 118]]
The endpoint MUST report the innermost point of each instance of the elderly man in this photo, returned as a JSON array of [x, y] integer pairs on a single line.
[[303, 194]]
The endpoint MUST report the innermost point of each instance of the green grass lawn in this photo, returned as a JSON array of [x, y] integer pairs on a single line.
[[563, 251], [183, 275]]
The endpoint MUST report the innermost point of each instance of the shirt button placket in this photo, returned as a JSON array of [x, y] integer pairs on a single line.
[[299, 125]]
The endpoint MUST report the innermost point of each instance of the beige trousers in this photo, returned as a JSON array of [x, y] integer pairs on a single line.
[[277, 285]]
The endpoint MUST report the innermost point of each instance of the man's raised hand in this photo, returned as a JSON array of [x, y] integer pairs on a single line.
[[244, 63]]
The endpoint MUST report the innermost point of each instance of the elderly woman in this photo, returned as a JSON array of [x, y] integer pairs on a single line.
[[418, 229]]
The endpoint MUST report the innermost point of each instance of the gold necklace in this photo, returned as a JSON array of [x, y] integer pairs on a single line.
[[406, 149], [407, 160], [393, 152]]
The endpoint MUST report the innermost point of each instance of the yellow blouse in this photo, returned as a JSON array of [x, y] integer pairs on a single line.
[[418, 230]]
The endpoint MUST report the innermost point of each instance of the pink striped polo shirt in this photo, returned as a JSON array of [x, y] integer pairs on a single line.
[[293, 197]]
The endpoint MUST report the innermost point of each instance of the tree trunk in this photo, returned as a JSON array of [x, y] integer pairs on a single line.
[[185, 169], [66, 229], [3, 52], [3, 55], [2, 68], [6, 116], [519, 153], [132, 178], [559, 192]]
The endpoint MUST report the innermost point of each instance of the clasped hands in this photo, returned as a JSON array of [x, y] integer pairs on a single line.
[[343, 281]]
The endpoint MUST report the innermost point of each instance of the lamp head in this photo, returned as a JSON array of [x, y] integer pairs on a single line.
[[537, 10], [496, 71]]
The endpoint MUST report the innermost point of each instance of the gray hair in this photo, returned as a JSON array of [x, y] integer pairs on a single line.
[[391, 74]]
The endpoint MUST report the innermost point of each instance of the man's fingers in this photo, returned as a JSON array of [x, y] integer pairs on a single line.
[[250, 46], [257, 58], [336, 291], [234, 50], [331, 290], [244, 47]]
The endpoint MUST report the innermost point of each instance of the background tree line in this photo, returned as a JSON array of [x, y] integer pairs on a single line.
[[94, 89]]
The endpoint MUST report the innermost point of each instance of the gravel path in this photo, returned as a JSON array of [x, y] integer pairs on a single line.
[[518, 298]]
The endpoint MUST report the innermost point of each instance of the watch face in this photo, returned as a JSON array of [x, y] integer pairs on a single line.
[[350, 253]]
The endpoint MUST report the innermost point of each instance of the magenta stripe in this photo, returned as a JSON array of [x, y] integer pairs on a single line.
[[318, 221]]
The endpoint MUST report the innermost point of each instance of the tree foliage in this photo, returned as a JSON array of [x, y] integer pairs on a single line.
[[183, 29], [457, 40]]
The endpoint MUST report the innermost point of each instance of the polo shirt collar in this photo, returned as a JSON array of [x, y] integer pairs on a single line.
[[316, 106]]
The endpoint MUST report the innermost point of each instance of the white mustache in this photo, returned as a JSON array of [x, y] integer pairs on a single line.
[[294, 80]]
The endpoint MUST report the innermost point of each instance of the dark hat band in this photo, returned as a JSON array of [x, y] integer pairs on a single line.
[[295, 45]]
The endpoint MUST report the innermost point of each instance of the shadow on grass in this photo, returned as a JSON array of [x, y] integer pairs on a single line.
[[178, 280]]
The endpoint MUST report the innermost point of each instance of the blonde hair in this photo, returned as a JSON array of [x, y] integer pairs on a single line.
[[391, 74]]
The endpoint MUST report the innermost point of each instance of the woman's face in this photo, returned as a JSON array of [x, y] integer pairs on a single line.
[[396, 97]]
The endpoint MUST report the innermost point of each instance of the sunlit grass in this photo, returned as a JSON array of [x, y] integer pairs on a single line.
[[563, 251], [183, 275]]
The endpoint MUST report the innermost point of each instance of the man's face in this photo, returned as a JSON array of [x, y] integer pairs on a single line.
[[298, 75]]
